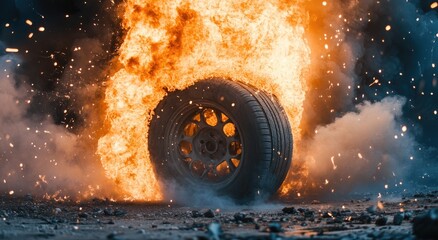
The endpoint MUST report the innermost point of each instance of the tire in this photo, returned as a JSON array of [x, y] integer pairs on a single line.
[[222, 135]]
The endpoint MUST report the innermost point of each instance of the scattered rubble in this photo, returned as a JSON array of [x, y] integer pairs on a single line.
[[30, 217], [426, 226]]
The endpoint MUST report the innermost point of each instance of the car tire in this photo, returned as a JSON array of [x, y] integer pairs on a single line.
[[224, 136]]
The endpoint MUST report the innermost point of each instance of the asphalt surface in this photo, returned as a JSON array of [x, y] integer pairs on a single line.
[[406, 217]]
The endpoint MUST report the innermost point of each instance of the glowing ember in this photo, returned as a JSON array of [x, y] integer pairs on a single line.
[[172, 44], [11, 50]]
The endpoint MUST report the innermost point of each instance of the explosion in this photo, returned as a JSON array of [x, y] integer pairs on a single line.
[[361, 103], [170, 45]]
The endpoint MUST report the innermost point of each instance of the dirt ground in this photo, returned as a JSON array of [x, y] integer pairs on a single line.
[[30, 218]]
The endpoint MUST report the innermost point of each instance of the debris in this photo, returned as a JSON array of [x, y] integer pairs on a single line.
[[407, 215], [381, 221], [209, 214], [243, 218], [398, 218], [372, 209], [120, 212], [364, 219], [275, 227], [289, 210], [196, 214], [239, 217], [108, 212], [426, 226]]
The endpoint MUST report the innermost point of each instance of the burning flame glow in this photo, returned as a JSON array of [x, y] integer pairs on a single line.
[[170, 45]]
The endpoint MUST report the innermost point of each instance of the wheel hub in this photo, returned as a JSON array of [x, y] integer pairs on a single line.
[[209, 145]]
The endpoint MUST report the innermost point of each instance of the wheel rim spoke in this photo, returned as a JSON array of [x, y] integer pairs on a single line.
[[210, 145]]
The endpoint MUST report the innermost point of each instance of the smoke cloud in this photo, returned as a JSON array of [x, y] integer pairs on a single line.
[[363, 150], [372, 100], [51, 91], [37, 155]]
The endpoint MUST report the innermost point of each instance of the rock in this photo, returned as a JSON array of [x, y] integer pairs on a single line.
[[120, 212], [398, 218], [289, 210], [108, 212], [426, 226], [309, 214], [214, 230], [381, 221], [275, 227], [196, 214], [58, 210], [407, 215], [239, 217], [209, 214], [335, 220], [113, 236], [364, 219], [372, 209]]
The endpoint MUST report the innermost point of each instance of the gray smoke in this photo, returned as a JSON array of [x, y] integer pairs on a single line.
[[365, 150], [36, 156], [51, 91], [369, 114]]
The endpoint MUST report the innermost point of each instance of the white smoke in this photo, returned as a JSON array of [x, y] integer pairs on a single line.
[[36, 155], [365, 150]]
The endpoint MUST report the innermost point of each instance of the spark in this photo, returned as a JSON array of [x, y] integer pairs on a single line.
[[388, 27], [380, 204], [41, 29], [404, 128], [375, 82], [29, 22], [434, 5], [333, 162], [11, 50]]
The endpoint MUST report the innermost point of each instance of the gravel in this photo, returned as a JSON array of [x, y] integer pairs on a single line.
[[29, 217]]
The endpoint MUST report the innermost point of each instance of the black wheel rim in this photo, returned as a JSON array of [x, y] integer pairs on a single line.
[[209, 148]]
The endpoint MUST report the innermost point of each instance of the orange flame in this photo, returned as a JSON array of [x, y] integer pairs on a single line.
[[172, 44]]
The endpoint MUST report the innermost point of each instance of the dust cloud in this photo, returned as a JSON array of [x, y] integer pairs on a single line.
[[365, 150], [37, 156], [371, 105]]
